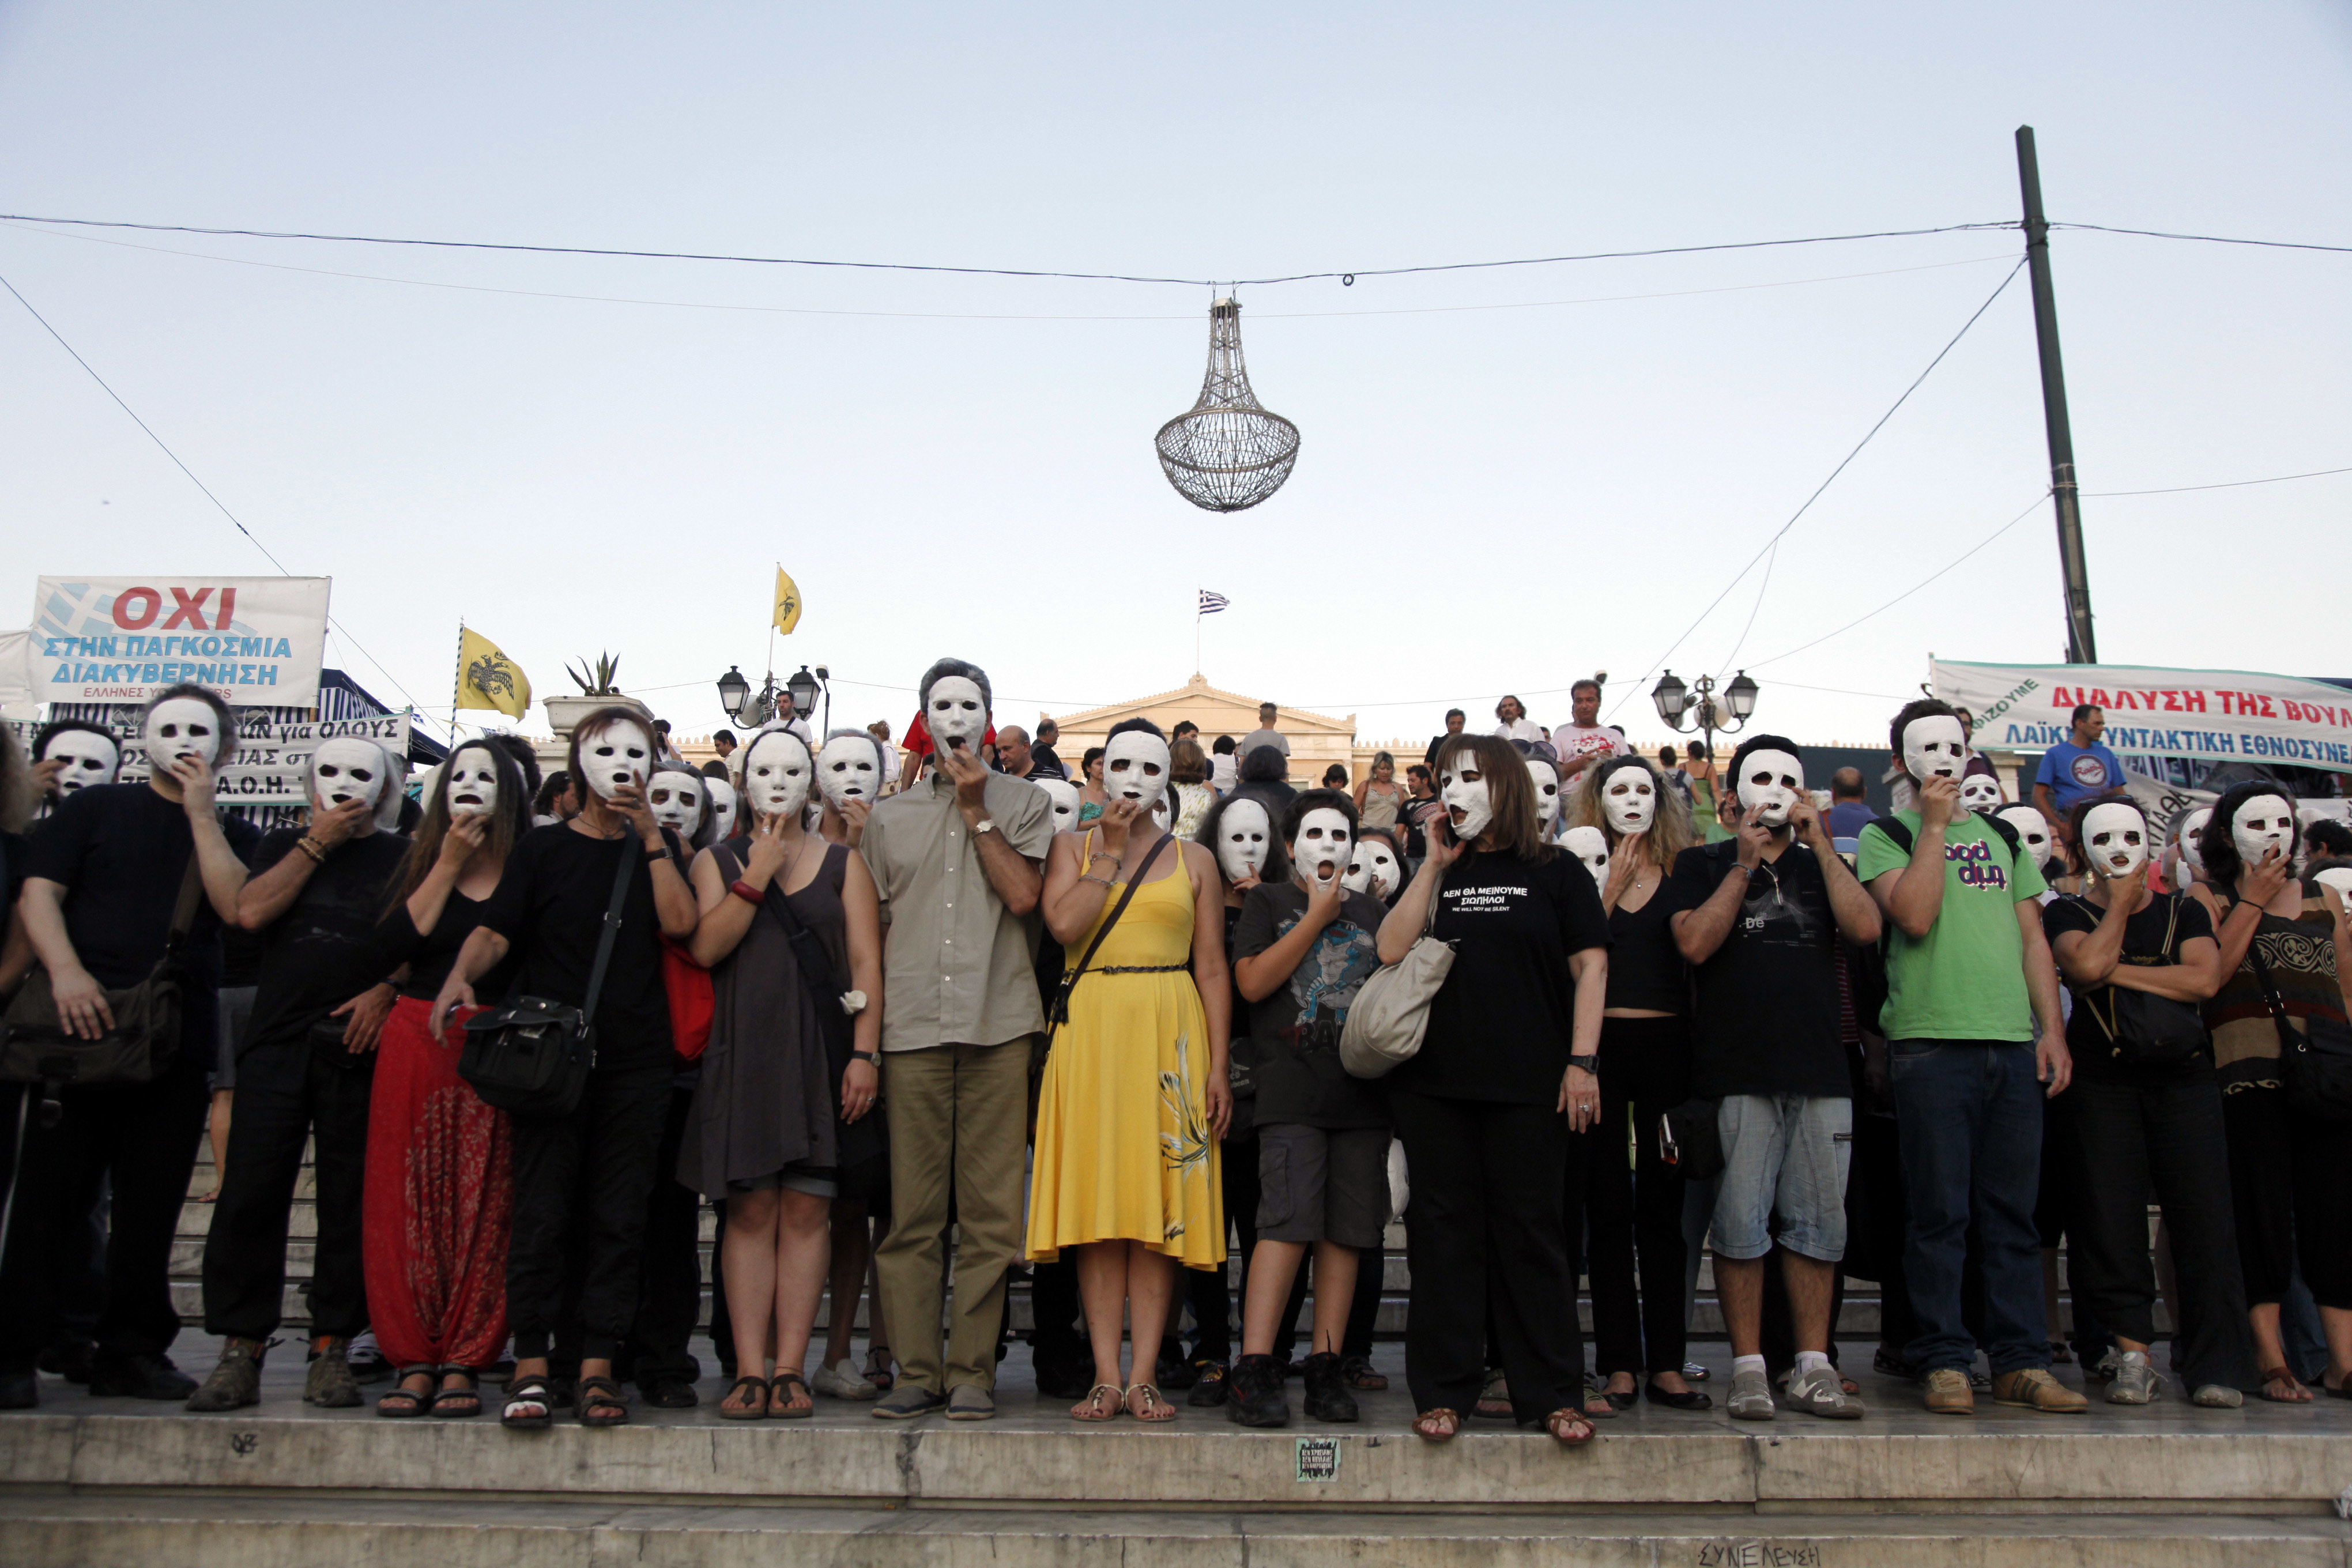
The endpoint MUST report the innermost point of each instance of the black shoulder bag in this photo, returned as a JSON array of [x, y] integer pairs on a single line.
[[2143, 1030], [1059, 1013], [532, 1057], [2315, 1066], [147, 1016]]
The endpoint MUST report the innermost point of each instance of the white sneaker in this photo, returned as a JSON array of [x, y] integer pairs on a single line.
[[1822, 1392], [1751, 1397], [2136, 1381], [842, 1380]]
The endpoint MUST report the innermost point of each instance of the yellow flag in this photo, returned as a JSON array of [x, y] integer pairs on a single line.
[[486, 678], [788, 602]]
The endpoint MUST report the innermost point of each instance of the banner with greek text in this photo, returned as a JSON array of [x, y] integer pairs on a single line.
[[256, 641], [272, 759], [2219, 715]]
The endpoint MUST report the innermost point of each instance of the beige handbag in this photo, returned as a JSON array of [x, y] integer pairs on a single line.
[[1391, 1013]]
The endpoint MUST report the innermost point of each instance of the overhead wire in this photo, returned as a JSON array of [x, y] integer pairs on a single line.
[[2209, 238], [2225, 485]]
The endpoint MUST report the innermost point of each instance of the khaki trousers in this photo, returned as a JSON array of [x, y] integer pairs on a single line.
[[958, 1116]]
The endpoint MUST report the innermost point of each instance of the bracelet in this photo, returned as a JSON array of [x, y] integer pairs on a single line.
[[1743, 871], [1106, 882], [313, 848], [747, 893]]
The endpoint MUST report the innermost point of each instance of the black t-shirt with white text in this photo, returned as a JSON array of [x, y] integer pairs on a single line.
[[322, 952], [551, 902], [1768, 999], [1296, 1027]]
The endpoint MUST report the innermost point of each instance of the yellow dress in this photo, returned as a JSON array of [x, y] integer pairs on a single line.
[[1124, 1149]]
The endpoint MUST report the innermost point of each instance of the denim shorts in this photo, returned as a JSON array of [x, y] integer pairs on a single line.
[[1784, 1158]]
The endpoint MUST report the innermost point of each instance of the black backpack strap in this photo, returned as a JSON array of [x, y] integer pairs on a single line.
[[629, 856], [1060, 1011], [2008, 834], [1893, 829]]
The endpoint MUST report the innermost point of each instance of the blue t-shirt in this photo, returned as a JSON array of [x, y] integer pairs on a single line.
[[2078, 773]]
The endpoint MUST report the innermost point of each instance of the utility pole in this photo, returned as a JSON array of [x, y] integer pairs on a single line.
[[2081, 646]]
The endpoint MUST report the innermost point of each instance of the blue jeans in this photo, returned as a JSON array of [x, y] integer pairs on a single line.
[[1969, 1113]]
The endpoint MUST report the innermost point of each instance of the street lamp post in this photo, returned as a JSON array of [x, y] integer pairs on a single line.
[[803, 690], [1684, 714], [741, 703]]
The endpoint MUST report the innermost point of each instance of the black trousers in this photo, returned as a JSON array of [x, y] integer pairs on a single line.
[[140, 1138], [2294, 1199], [1363, 1313], [581, 1183], [287, 1095], [2127, 1137], [1487, 1228], [1634, 1200], [669, 1292]]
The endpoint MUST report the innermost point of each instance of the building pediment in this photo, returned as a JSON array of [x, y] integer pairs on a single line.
[[1214, 709]]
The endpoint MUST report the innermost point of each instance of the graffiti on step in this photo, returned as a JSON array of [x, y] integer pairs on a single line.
[[242, 1444], [1759, 1555]]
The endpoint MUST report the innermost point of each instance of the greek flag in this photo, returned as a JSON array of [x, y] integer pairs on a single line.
[[1212, 603]]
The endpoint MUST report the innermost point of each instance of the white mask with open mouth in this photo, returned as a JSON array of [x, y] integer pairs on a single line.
[[2032, 831], [1770, 783], [1135, 767], [777, 770], [2264, 822], [1590, 846], [180, 727], [675, 800], [1935, 745], [1980, 791], [722, 807], [346, 769], [1466, 794], [1546, 778], [89, 758], [1243, 834], [849, 768], [953, 709], [616, 757], [2192, 837], [1319, 851], [2114, 839], [1373, 870], [472, 781], [1630, 801], [1067, 801]]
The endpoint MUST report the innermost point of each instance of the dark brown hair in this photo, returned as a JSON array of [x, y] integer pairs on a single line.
[[1510, 792], [509, 820]]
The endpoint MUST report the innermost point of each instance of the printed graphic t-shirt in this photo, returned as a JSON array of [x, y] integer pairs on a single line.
[[2076, 772], [1965, 980], [1768, 999], [1295, 1028]]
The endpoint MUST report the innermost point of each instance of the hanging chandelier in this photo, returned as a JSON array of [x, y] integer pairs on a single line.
[[1227, 453]]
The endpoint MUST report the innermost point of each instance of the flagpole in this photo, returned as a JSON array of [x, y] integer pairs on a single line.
[[458, 683]]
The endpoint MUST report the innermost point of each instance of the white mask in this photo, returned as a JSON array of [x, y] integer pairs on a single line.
[[1243, 834], [89, 758], [2114, 839], [1373, 870], [2265, 821], [1319, 852], [722, 807], [2338, 878], [2032, 832], [1546, 778], [1630, 801], [1135, 767], [849, 769], [1769, 784], [776, 774], [1935, 745], [1980, 791], [345, 769], [620, 756], [1467, 795], [473, 782], [1067, 800], [1591, 847], [2192, 837], [182, 727], [675, 801], [954, 710]]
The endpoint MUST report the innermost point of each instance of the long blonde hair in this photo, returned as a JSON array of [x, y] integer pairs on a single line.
[[1670, 829]]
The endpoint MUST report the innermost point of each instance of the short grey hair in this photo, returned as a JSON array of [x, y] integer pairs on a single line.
[[955, 666]]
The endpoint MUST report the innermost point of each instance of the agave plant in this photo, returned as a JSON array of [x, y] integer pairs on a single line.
[[601, 684]]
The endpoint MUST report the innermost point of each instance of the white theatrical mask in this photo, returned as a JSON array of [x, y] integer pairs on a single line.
[[723, 800], [617, 757], [1374, 868], [1067, 800], [1934, 746], [675, 800], [850, 768], [1770, 783], [1546, 778], [777, 772], [1591, 846], [2032, 831], [473, 782], [2114, 839], [2338, 878], [954, 710], [2262, 823], [1135, 767], [89, 758], [1319, 852], [1244, 833], [1463, 793], [2191, 841], [1980, 791], [1630, 801], [346, 769], [183, 727]]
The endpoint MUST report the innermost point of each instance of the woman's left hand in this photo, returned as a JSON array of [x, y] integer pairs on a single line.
[[859, 1085], [1221, 1105], [1579, 1096]]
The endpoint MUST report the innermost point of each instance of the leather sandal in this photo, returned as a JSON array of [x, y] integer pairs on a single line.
[[456, 1404], [781, 1394], [415, 1402], [728, 1411], [599, 1402], [1156, 1407], [1439, 1423], [1569, 1427], [529, 1404], [1094, 1407]]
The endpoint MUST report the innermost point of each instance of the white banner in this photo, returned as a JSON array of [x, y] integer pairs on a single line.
[[16, 678], [271, 759], [2219, 715], [256, 641]]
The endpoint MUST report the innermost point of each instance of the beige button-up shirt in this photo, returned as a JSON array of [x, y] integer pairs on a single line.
[[957, 964]]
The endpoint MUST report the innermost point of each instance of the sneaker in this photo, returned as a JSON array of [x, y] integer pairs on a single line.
[[1694, 1372], [1981, 1382], [118, 1377], [907, 1402], [842, 1380], [668, 1394], [330, 1384], [1328, 1398], [2034, 1388], [2217, 1396], [969, 1402], [2136, 1381], [1822, 1392], [2103, 1369], [366, 1357], [1948, 1392], [1751, 1397], [1211, 1381], [1254, 1396], [235, 1384]]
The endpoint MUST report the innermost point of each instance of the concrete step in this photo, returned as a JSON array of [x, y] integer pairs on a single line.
[[51, 1530]]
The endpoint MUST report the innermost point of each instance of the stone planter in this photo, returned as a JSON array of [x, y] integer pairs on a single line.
[[564, 712]]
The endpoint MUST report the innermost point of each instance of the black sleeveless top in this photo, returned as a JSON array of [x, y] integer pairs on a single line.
[[1646, 968]]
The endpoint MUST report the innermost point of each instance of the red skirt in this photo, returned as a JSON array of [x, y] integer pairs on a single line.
[[439, 1201]]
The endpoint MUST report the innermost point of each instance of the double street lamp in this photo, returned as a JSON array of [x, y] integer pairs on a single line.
[[1685, 713], [754, 708]]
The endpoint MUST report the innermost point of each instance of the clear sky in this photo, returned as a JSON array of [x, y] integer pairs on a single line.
[[1508, 478]]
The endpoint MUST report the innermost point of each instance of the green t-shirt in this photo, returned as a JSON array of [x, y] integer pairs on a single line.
[[1966, 979]]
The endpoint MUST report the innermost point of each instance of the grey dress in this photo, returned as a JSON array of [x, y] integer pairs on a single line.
[[769, 1098]]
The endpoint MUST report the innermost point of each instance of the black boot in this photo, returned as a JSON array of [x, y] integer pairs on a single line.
[[1256, 1397], [1328, 1398]]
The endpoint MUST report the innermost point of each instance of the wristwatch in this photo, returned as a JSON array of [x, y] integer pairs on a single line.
[[986, 824], [1589, 1063]]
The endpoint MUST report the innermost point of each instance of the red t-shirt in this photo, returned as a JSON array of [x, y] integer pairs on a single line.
[[918, 736]]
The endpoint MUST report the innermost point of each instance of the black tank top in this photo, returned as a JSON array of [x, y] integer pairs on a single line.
[[1645, 967]]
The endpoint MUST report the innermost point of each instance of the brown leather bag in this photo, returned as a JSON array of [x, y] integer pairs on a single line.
[[147, 1018]]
